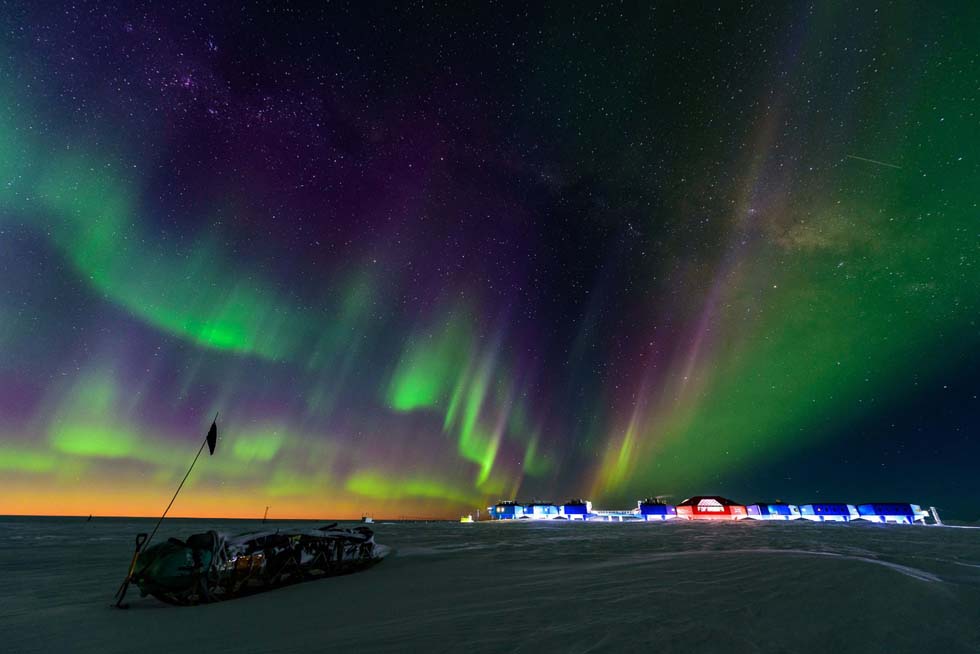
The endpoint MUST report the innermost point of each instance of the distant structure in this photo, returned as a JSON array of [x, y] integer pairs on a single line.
[[710, 507], [506, 511], [905, 514], [654, 508], [774, 511], [538, 510], [575, 510], [829, 512]]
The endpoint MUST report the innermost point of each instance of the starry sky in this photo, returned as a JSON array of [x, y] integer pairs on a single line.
[[425, 257]]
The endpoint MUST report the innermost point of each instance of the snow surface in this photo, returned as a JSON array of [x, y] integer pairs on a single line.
[[518, 587]]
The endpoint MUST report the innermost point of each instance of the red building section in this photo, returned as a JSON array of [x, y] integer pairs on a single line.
[[710, 508]]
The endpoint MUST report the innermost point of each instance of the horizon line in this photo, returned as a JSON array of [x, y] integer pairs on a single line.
[[153, 517]]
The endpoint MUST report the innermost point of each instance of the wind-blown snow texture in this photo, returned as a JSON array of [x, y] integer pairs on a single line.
[[673, 587]]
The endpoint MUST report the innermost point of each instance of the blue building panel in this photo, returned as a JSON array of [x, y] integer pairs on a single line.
[[776, 511], [654, 510], [829, 512], [506, 511], [885, 509], [892, 512], [540, 511]]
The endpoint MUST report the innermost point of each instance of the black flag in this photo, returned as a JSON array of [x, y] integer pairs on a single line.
[[212, 437]]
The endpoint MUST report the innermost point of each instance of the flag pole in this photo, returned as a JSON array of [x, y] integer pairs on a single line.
[[209, 440], [153, 533]]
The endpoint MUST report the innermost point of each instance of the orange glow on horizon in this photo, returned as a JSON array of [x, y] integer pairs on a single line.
[[23, 500]]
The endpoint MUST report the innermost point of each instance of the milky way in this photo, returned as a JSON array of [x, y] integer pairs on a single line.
[[424, 258]]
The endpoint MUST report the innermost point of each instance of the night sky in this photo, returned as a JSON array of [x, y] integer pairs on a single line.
[[422, 258]]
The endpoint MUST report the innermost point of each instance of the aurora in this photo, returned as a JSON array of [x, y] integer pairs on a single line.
[[556, 257]]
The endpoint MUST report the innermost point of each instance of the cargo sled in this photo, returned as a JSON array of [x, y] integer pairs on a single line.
[[212, 567]]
